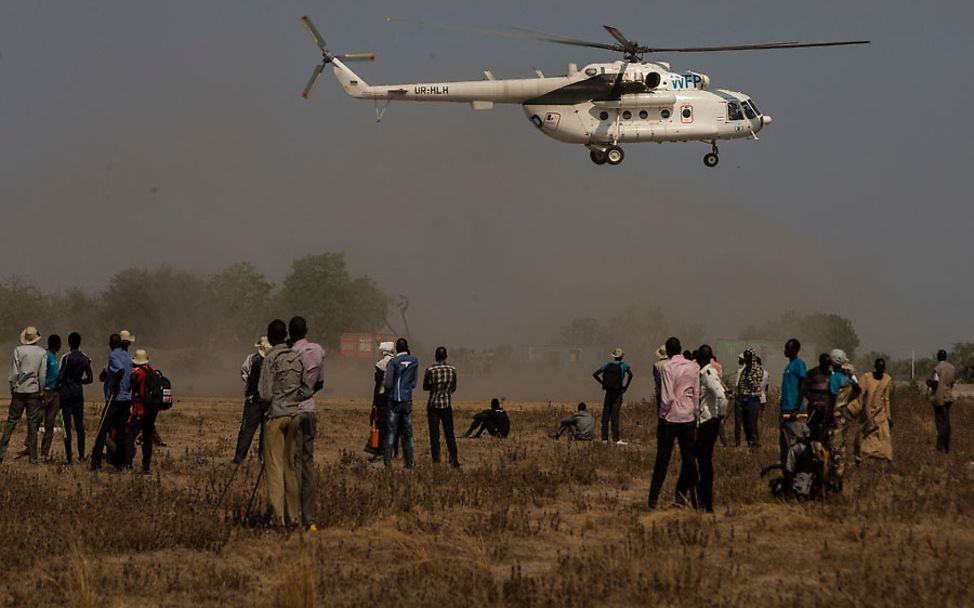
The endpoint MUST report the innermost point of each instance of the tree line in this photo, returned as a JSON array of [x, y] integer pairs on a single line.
[[171, 308]]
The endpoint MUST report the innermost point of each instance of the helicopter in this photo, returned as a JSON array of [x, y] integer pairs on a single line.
[[599, 106]]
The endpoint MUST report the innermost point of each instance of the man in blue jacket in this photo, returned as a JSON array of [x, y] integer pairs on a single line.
[[400, 381]]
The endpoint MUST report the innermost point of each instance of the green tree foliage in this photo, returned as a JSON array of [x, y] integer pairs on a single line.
[[240, 298], [826, 330], [320, 289], [962, 356], [21, 304]]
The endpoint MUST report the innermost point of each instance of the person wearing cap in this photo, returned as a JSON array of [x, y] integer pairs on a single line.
[[313, 359], [254, 409], [843, 409], [142, 420], [495, 421], [615, 378], [580, 425], [380, 402], [75, 373], [400, 381], [941, 390], [28, 371], [713, 407], [678, 416], [749, 389], [440, 380], [793, 421], [51, 398], [117, 377]]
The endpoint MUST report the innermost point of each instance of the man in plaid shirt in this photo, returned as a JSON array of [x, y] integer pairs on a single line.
[[441, 382]]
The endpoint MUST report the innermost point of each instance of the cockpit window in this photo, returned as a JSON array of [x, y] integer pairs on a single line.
[[734, 111], [754, 107], [747, 110]]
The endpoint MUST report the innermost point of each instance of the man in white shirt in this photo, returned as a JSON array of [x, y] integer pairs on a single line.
[[28, 369], [713, 407]]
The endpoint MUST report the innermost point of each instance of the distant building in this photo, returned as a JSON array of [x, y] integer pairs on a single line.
[[361, 345]]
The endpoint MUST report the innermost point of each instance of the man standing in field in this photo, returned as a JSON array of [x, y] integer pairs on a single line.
[[941, 385], [118, 394], [678, 416], [713, 407], [28, 370], [400, 380], [283, 384], [313, 360], [440, 380], [749, 388], [844, 408], [253, 409], [143, 419], [877, 390], [75, 373], [816, 393], [580, 425], [614, 377], [792, 418], [51, 397]]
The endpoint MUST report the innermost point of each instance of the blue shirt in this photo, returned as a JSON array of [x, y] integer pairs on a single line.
[[795, 371], [401, 377], [53, 369], [119, 360], [837, 381]]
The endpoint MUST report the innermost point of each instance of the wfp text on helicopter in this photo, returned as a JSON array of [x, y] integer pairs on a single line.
[[599, 106]]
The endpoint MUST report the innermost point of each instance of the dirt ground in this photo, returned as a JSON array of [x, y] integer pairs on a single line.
[[527, 521]]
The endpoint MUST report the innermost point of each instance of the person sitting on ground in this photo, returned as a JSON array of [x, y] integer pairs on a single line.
[[580, 425], [494, 421]]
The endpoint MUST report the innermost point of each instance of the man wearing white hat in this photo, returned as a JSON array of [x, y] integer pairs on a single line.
[[844, 407], [118, 394], [615, 377], [253, 409], [28, 370]]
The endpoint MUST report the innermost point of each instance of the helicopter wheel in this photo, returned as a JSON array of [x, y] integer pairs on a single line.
[[597, 157], [711, 160], [614, 155]]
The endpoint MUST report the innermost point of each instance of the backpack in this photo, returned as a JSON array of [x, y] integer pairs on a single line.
[[287, 371], [158, 391], [612, 376]]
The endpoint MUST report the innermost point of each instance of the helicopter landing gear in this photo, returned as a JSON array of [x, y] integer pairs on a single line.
[[597, 156], [711, 159], [614, 155]]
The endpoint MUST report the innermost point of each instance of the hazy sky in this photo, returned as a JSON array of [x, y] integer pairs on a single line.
[[148, 132]]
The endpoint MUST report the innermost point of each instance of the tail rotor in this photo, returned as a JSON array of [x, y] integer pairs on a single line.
[[326, 56]]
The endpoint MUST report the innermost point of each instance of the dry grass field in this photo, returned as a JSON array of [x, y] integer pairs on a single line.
[[526, 522]]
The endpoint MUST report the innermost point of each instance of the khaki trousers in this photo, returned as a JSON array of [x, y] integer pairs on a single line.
[[281, 493]]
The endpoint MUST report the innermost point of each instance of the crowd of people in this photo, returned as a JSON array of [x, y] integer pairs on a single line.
[[826, 409]]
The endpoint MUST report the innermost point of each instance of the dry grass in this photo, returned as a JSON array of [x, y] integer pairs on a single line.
[[526, 522]]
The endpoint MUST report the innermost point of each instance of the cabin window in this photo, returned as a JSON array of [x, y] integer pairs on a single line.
[[603, 116], [627, 114], [665, 114], [643, 114], [734, 111]]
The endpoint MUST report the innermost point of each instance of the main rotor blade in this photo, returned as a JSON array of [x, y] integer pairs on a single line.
[[313, 81], [750, 47], [516, 33], [618, 36], [315, 34]]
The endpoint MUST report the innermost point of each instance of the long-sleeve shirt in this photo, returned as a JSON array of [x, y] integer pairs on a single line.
[[750, 381], [28, 369], [53, 371], [582, 425], [313, 358], [440, 380], [713, 400], [75, 373], [680, 390], [119, 360], [401, 377]]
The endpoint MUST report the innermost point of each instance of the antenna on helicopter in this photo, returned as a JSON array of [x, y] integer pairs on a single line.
[[326, 56]]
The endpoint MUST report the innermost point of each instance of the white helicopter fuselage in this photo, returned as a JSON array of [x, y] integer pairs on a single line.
[[593, 106]]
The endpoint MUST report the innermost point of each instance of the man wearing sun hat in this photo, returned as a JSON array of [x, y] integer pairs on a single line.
[[28, 370], [143, 418], [615, 377], [118, 392]]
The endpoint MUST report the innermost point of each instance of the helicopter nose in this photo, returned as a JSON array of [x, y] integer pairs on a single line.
[[765, 120]]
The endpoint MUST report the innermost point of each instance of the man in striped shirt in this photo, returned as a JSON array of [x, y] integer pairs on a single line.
[[440, 381]]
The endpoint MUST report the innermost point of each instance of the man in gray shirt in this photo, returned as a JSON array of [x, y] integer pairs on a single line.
[[580, 425], [27, 372]]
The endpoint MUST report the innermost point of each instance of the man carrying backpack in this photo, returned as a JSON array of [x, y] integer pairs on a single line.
[[146, 401], [615, 377], [400, 380]]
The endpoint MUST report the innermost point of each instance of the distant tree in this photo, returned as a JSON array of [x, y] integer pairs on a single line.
[[581, 332], [239, 297], [826, 330], [21, 304], [320, 289], [962, 356]]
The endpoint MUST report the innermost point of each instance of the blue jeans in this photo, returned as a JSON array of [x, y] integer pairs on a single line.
[[401, 419]]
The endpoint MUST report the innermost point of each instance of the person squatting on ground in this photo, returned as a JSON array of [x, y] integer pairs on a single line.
[[313, 360], [816, 393], [28, 370], [252, 417], [580, 425], [615, 378], [844, 408], [713, 407], [142, 421], [118, 401], [792, 385], [749, 389], [678, 416], [440, 380], [75, 373], [941, 390], [495, 421], [282, 386], [875, 439], [399, 382]]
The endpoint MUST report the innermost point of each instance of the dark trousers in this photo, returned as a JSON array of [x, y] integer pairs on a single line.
[[738, 420], [115, 419], [18, 403], [50, 409], [750, 411], [704, 447], [686, 486], [941, 416], [482, 422], [304, 456], [610, 413], [73, 412], [251, 420], [445, 415], [146, 427], [400, 420]]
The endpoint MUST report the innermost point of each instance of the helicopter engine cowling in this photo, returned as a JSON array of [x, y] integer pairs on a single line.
[[641, 100]]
